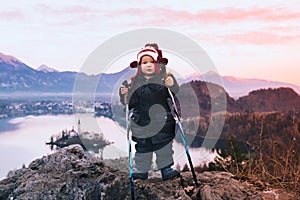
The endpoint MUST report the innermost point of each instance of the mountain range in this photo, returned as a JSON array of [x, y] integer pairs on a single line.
[[16, 76]]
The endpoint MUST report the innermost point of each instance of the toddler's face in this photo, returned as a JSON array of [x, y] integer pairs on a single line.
[[147, 65]]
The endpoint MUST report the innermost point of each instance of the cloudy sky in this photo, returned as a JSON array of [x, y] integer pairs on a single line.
[[249, 40]]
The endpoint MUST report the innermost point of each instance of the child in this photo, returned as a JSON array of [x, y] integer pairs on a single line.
[[152, 124]]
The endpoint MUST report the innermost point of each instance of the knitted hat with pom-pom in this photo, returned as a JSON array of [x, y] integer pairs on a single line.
[[152, 51]]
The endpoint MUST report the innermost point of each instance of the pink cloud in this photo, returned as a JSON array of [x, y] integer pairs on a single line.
[[78, 14], [131, 11], [258, 38], [75, 9], [270, 34], [225, 15], [283, 28], [260, 14], [8, 15], [263, 37]]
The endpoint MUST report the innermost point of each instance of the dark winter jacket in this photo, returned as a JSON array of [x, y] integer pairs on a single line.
[[145, 95]]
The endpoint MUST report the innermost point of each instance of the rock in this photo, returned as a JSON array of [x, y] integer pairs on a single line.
[[66, 174], [278, 194], [72, 173], [206, 193]]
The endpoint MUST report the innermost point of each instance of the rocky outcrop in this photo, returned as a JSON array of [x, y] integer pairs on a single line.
[[210, 95], [73, 174], [270, 100]]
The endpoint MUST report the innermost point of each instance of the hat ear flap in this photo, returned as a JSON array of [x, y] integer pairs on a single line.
[[164, 61], [159, 52], [134, 64]]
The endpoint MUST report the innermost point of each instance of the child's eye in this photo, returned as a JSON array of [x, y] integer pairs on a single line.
[[144, 63]]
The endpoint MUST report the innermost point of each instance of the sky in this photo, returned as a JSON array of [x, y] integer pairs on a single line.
[[246, 39]]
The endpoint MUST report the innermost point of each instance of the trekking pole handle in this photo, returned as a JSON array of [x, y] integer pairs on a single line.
[[125, 83]]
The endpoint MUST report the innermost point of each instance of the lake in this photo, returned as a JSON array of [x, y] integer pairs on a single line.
[[23, 139]]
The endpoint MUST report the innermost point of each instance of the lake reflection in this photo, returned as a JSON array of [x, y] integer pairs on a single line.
[[23, 139]]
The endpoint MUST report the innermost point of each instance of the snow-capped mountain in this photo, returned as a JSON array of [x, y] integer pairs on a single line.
[[13, 63], [45, 68], [8, 59]]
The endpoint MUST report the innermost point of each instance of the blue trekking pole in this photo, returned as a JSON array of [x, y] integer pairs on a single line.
[[125, 83], [173, 107]]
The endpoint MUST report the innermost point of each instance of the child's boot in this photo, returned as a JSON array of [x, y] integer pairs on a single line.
[[142, 176], [169, 173]]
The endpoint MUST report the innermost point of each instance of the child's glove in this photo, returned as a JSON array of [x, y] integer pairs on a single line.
[[169, 81], [124, 90]]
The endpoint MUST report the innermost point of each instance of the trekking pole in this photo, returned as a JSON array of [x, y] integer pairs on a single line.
[[177, 118], [125, 83]]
